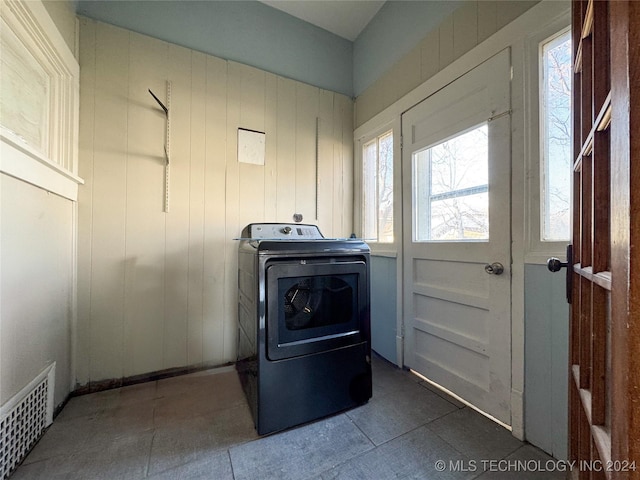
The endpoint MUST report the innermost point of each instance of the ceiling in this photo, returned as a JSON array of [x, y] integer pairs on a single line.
[[345, 18]]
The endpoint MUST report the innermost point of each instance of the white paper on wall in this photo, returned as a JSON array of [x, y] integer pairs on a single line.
[[251, 146]]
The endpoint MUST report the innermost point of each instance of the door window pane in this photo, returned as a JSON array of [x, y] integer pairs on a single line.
[[451, 200], [555, 111]]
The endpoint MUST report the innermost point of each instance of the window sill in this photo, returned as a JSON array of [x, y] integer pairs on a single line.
[[23, 163], [383, 253]]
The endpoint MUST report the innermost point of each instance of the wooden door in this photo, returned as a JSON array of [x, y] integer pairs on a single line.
[[456, 164], [604, 396]]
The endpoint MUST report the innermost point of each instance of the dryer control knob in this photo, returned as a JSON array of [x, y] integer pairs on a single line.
[[286, 230]]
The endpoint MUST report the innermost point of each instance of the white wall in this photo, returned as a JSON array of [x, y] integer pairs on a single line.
[[36, 278], [468, 26], [37, 226], [158, 290]]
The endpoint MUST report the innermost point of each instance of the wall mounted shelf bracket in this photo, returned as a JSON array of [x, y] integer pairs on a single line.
[[167, 142]]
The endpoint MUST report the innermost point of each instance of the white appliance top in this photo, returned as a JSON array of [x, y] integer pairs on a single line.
[[281, 231]]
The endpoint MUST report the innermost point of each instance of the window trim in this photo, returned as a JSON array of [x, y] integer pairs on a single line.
[[371, 210], [53, 165], [554, 39], [536, 250]]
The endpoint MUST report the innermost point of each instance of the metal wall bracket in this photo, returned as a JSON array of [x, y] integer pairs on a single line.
[[167, 142]]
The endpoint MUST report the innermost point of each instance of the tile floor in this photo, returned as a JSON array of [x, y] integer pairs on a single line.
[[199, 427]]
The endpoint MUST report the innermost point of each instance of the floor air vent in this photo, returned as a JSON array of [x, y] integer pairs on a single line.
[[24, 418]]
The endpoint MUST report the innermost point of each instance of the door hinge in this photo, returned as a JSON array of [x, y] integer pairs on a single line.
[[499, 115]]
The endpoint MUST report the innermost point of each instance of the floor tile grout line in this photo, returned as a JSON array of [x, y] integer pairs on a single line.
[[522, 444], [315, 475], [153, 422], [375, 446], [233, 473], [404, 433], [410, 382], [360, 429], [416, 427], [485, 471], [422, 425], [450, 444], [148, 466]]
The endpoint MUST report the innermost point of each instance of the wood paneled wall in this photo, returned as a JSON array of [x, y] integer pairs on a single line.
[[472, 23], [158, 290]]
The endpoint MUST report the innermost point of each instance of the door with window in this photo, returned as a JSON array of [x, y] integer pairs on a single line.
[[456, 219]]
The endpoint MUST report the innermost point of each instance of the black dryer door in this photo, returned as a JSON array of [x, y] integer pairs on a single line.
[[314, 307]]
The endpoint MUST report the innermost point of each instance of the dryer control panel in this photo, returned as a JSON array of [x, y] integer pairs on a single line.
[[281, 231]]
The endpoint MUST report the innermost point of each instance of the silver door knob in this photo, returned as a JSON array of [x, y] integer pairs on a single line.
[[495, 268]]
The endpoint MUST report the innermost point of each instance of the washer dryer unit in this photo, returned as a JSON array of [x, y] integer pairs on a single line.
[[304, 341]]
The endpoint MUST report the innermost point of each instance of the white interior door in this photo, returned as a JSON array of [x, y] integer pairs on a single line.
[[456, 164]]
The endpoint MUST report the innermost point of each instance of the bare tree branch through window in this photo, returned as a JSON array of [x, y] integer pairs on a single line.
[[377, 191], [555, 111], [452, 184]]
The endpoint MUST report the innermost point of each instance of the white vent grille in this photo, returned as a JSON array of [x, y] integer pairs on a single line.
[[23, 420]]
